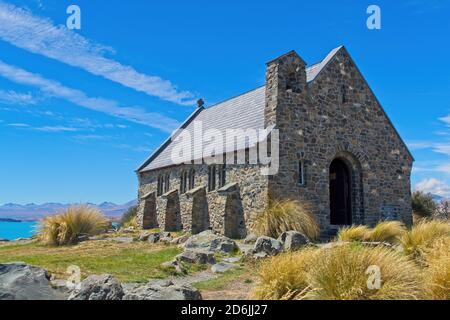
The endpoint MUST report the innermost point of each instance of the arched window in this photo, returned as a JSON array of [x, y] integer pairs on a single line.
[[211, 178], [167, 182], [222, 175], [183, 182], [191, 179], [160, 186]]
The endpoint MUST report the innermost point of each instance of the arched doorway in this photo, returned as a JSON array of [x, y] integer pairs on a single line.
[[340, 193]]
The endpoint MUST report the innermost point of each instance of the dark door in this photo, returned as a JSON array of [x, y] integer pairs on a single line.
[[340, 195]]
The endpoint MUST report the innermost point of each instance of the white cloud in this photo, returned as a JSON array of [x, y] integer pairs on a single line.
[[434, 186], [18, 125], [39, 35], [56, 129], [15, 98], [443, 148], [53, 88], [446, 119]]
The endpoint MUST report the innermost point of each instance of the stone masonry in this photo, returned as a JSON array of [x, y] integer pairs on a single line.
[[324, 113]]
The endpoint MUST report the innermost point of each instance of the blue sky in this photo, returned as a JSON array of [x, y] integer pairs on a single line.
[[80, 110]]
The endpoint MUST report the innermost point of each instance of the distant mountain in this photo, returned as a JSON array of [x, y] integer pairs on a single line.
[[34, 211]]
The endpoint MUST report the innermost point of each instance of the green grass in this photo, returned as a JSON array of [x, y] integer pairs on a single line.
[[129, 262]]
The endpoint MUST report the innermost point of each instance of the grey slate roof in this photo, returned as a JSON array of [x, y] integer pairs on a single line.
[[245, 111]]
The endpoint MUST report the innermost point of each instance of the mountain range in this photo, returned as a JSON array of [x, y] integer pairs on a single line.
[[31, 211]]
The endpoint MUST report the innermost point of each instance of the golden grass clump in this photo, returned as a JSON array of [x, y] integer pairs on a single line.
[[284, 276], [341, 273], [286, 215], [387, 231], [353, 233], [423, 235], [66, 227], [437, 272]]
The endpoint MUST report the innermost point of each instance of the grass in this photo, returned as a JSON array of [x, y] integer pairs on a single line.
[[386, 231], [422, 236], [338, 273], [223, 280], [437, 275], [65, 227], [129, 262], [286, 215]]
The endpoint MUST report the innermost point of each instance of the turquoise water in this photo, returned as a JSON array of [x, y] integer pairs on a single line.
[[14, 230]]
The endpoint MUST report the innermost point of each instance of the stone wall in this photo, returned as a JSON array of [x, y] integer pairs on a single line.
[[252, 195], [336, 116]]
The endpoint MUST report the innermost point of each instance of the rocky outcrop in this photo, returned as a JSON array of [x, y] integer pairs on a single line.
[[266, 246], [209, 241], [98, 287], [196, 256], [19, 281], [162, 290], [293, 240]]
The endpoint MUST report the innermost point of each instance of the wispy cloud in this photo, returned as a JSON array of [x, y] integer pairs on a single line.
[[56, 129], [39, 35], [434, 186], [18, 125], [53, 88], [11, 97]]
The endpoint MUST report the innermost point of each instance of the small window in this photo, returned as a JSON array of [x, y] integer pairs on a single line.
[[301, 173], [211, 178], [183, 182], [191, 179], [222, 175], [167, 183], [160, 186], [343, 94]]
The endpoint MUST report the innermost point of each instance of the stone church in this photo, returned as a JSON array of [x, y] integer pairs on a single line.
[[338, 152]]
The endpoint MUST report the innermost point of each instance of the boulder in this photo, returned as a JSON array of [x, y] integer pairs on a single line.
[[251, 238], [123, 239], [19, 281], [180, 240], [98, 287], [153, 237], [174, 267], [196, 256], [166, 239], [128, 230], [162, 290], [267, 246], [209, 241], [144, 236], [222, 267], [293, 240]]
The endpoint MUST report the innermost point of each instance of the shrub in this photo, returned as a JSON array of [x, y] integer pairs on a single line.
[[286, 215], [437, 273], [128, 219], [66, 227], [423, 235], [353, 233], [423, 204], [387, 231], [284, 276], [341, 274]]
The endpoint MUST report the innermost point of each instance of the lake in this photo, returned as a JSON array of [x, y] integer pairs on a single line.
[[14, 230]]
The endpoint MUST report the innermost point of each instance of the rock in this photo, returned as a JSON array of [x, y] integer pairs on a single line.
[[251, 238], [153, 237], [222, 267], [166, 234], [123, 239], [209, 241], [82, 238], [166, 239], [128, 230], [98, 287], [267, 245], [180, 240], [196, 256], [174, 266], [293, 240], [163, 290], [19, 281], [144, 236], [232, 259]]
